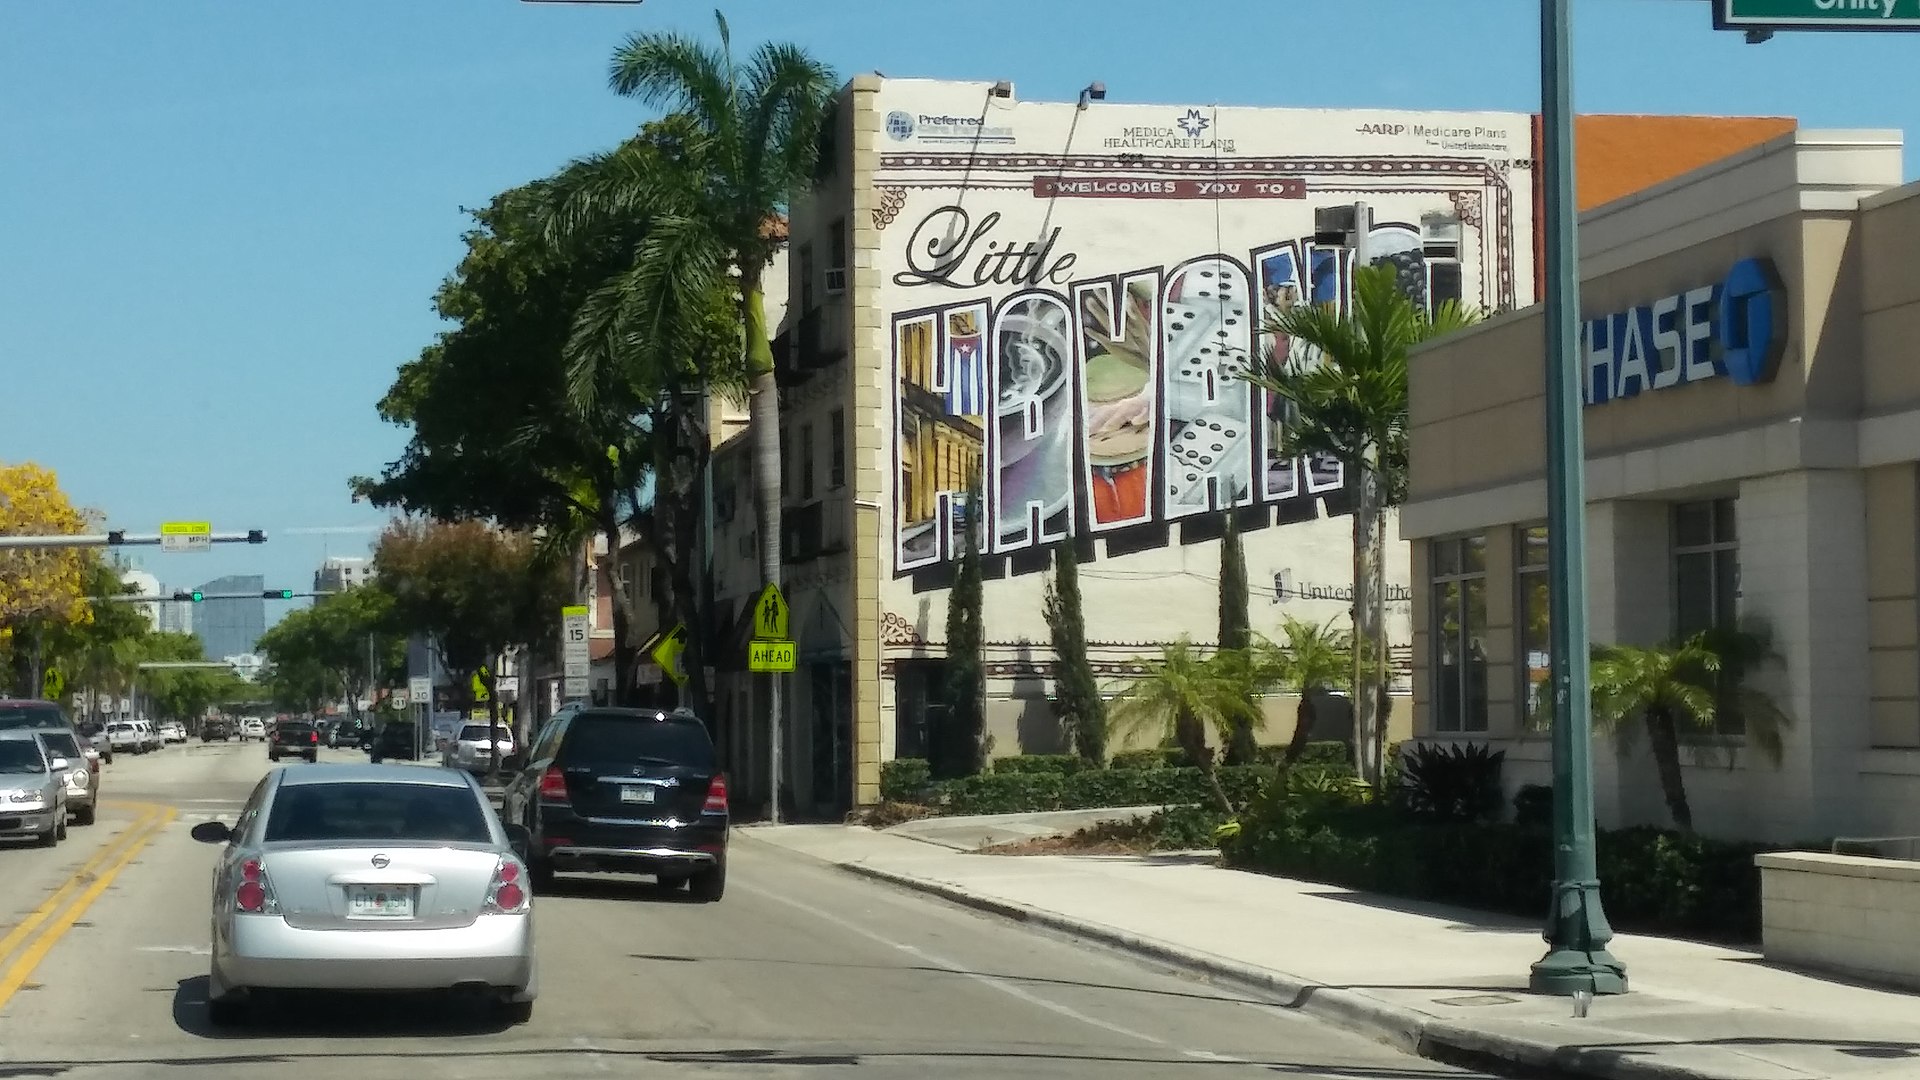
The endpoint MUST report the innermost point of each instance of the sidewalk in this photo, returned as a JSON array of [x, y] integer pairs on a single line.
[[1441, 982]]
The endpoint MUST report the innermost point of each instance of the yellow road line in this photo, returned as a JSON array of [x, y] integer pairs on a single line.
[[79, 878], [16, 974]]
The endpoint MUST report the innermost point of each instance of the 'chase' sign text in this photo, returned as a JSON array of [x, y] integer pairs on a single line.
[[1736, 329]]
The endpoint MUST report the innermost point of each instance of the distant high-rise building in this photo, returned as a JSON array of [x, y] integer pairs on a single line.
[[141, 583], [231, 627], [341, 573]]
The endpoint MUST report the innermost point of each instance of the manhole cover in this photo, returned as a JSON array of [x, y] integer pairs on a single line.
[[1477, 999]]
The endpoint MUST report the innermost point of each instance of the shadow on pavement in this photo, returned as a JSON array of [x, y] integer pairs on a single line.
[[302, 1015]]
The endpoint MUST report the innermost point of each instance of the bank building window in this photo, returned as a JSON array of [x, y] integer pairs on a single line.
[[1531, 597], [1459, 583], [1706, 578]]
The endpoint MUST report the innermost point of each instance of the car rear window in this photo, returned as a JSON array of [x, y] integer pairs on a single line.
[[29, 717], [21, 756], [625, 738], [377, 812], [476, 733]]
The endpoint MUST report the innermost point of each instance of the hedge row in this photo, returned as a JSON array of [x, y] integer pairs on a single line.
[[1036, 782], [1651, 880]]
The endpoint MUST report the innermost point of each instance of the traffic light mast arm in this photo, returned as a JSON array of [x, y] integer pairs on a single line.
[[120, 538]]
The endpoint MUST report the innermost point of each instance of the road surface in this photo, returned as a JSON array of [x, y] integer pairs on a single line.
[[802, 970]]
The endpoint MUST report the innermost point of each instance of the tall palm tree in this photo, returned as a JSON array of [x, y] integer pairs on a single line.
[[1349, 389], [1690, 685], [1181, 695], [747, 139]]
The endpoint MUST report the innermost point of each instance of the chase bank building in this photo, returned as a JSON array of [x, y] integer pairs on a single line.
[[1750, 360]]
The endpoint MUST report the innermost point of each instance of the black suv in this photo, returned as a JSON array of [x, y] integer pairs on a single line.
[[624, 790], [395, 739], [294, 738]]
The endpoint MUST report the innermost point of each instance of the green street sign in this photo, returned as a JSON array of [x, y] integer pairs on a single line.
[[771, 656], [1816, 14]]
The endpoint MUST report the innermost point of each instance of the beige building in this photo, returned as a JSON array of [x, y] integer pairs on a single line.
[[1052, 300], [1752, 424]]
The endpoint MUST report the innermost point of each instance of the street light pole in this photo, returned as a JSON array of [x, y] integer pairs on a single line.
[[1577, 931]]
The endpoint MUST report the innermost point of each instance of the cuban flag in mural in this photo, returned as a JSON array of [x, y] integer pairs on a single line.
[[966, 375]]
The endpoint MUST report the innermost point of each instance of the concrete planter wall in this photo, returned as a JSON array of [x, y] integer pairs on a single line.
[[1842, 913]]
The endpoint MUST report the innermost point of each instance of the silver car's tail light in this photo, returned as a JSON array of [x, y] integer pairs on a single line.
[[507, 894], [254, 894]]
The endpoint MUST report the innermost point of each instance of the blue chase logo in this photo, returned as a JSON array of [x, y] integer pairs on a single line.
[[1734, 329], [900, 125]]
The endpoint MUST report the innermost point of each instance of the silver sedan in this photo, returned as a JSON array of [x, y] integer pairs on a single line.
[[356, 877]]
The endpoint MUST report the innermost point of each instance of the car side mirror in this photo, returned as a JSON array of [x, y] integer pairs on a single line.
[[520, 839], [212, 832]]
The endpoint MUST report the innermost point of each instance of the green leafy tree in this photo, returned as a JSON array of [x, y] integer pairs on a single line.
[[474, 591], [96, 654], [1182, 694], [1081, 710], [1348, 386], [299, 684], [1236, 629], [349, 635], [184, 695], [1688, 687], [962, 738], [751, 132]]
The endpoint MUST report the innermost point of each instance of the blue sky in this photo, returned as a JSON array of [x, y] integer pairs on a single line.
[[221, 221]]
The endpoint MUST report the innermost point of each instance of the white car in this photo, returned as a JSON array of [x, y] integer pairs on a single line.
[[470, 750], [124, 736], [357, 877], [150, 736], [253, 728], [173, 732]]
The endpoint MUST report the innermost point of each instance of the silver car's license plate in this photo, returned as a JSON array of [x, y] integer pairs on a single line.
[[636, 793], [379, 902]]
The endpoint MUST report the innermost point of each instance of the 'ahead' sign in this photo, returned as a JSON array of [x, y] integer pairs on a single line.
[[1736, 329]]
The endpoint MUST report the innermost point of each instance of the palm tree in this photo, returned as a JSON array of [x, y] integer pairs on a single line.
[[1690, 684], [746, 140], [1349, 389], [1311, 660], [1180, 696]]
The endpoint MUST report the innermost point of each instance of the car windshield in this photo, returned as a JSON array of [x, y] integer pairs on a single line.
[[61, 744], [29, 717], [377, 812], [624, 738], [21, 756]]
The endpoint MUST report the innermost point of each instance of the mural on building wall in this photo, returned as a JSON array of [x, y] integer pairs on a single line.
[[1106, 304]]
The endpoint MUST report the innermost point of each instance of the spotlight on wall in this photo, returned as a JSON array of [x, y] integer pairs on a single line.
[[1003, 88], [1095, 91]]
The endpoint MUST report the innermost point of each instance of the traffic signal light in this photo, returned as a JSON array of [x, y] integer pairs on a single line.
[[196, 596], [278, 594]]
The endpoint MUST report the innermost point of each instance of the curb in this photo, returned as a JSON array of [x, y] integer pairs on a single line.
[[1403, 1029]]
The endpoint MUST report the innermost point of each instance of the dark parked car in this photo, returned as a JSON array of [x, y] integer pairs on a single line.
[[210, 730], [293, 738], [395, 740], [624, 790]]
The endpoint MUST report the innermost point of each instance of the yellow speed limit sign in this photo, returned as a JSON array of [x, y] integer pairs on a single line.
[[770, 656]]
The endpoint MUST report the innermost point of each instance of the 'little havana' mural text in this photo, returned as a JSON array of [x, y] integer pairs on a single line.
[[1069, 331]]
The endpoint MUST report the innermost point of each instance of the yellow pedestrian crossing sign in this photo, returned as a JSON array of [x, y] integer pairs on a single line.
[[770, 615], [770, 656]]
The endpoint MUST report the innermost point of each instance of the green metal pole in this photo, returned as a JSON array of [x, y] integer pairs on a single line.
[[1577, 932]]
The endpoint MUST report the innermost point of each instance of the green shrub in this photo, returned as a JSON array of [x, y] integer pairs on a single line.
[[1146, 759], [905, 779], [1533, 805], [1451, 781], [1324, 753], [1039, 763], [1650, 880], [1032, 792]]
